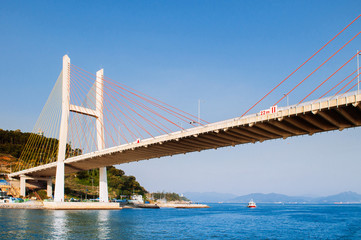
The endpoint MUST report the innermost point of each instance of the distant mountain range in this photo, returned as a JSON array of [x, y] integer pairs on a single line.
[[213, 197], [210, 197]]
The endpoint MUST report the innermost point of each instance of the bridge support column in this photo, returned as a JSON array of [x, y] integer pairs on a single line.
[[49, 187], [103, 185], [60, 168], [23, 185], [103, 180], [59, 182]]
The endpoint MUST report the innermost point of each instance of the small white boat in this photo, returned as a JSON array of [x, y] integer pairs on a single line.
[[136, 199], [251, 204]]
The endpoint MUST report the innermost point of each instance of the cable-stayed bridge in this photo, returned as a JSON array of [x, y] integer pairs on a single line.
[[91, 121], [326, 115]]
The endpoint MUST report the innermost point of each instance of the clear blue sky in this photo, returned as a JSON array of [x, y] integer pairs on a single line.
[[227, 53]]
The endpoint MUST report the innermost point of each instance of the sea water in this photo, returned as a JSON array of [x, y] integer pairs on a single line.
[[220, 221]]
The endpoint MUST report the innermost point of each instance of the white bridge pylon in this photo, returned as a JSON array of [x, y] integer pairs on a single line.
[[98, 114]]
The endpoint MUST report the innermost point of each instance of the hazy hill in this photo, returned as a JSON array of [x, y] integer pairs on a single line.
[[341, 197], [209, 197], [268, 198], [213, 197]]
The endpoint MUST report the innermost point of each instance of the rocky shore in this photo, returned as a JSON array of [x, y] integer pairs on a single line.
[[93, 205], [62, 206], [182, 205], [24, 205]]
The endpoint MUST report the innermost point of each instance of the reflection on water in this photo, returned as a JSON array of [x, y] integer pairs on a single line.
[[221, 221], [89, 224], [103, 224], [59, 226]]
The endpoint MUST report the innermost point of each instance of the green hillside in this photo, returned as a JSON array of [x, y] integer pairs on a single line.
[[85, 184], [80, 185], [13, 142]]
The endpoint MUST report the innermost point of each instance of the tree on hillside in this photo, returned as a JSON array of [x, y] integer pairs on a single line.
[[13, 142], [117, 181]]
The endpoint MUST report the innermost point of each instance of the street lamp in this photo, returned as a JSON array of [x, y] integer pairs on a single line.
[[199, 112]]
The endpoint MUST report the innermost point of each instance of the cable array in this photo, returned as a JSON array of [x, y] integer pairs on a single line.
[[128, 116], [42, 145], [288, 92]]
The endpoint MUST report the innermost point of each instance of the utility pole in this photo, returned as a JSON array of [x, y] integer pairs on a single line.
[[199, 112]]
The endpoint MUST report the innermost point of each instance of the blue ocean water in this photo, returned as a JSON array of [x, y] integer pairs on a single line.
[[221, 221]]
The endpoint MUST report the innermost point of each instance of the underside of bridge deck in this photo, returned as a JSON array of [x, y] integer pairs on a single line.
[[293, 121]]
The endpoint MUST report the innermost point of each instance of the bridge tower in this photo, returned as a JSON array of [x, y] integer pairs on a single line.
[[98, 114]]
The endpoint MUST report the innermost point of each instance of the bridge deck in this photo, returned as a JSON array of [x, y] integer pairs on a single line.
[[309, 118]]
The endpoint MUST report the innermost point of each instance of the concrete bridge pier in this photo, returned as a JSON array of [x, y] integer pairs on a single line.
[[49, 184], [23, 185], [97, 113], [103, 181], [49, 188], [63, 131]]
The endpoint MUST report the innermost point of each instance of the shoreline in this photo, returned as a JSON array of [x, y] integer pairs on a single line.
[[94, 205], [182, 205], [62, 206]]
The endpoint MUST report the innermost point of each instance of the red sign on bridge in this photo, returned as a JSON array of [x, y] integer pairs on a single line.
[[272, 109]]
